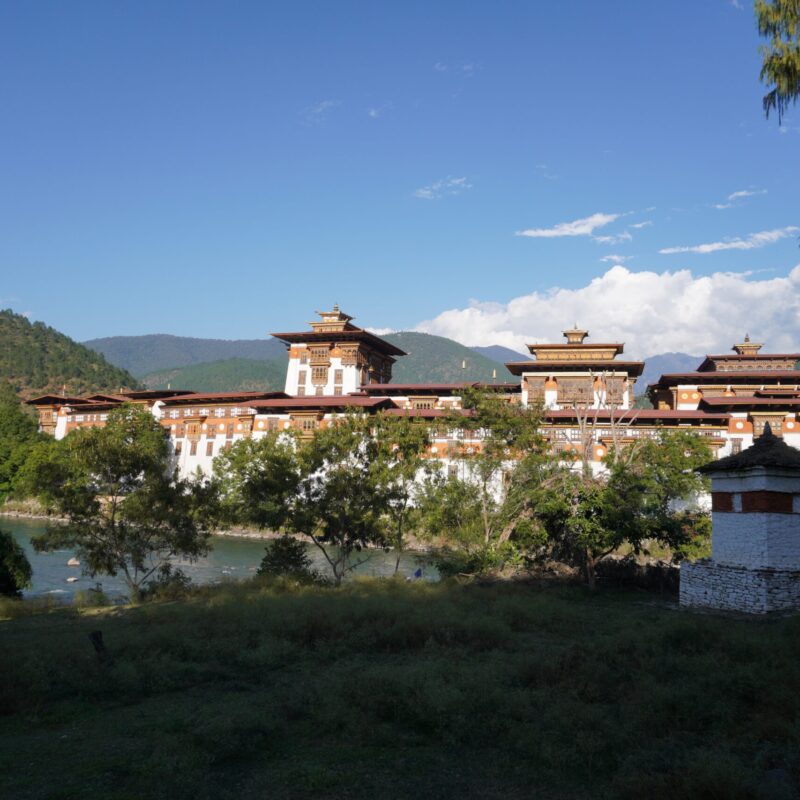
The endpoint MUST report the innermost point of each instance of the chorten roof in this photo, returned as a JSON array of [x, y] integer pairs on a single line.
[[767, 450]]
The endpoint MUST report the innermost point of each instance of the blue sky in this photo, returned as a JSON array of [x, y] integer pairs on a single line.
[[223, 169]]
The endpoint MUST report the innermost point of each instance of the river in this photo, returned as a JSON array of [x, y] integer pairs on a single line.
[[230, 558]]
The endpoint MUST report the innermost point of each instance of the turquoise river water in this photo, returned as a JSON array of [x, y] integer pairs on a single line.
[[230, 558]]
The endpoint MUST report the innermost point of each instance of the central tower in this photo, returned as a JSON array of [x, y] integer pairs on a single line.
[[335, 357]]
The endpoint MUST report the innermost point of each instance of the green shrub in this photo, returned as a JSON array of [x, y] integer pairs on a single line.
[[91, 598], [287, 557], [15, 569], [169, 584]]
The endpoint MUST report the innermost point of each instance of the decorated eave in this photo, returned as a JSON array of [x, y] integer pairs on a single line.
[[632, 369], [434, 389], [429, 413], [710, 362], [351, 334], [634, 416], [289, 404]]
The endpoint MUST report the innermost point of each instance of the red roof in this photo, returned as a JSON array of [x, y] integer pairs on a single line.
[[58, 400], [212, 397]]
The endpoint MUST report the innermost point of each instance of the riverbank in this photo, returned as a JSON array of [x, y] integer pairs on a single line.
[[412, 545], [389, 689]]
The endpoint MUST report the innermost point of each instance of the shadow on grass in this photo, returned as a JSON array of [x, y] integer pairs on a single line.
[[388, 689]]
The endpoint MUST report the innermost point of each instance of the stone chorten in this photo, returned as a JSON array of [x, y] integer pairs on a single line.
[[755, 545]]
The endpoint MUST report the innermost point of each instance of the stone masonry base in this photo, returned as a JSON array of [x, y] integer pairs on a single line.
[[733, 588]]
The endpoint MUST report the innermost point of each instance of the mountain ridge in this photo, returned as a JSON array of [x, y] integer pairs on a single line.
[[37, 359]]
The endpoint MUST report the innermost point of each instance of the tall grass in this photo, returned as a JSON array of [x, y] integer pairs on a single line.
[[387, 689]]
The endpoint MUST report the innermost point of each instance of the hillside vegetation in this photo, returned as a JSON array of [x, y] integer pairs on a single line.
[[232, 374], [35, 359], [384, 689], [435, 359], [142, 355]]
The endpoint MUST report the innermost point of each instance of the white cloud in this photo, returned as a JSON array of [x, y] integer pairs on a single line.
[[616, 259], [746, 193], [740, 195], [650, 312], [750, 242], [377, 111], [579, 227], [439, 67], [638, 225], [317, 113], [614, 239], [443, 187]]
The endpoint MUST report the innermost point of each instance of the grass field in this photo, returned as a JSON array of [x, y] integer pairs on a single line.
[[390, 690]]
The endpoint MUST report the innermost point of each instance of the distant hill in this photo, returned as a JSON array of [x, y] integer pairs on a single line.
[[142, 355], [435, 359], [36, 359], [232, 374], [501, 355], [158, 359], [665, 363]]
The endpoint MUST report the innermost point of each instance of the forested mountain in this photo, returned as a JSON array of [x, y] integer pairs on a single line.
[[501, 354], [35, 358], [232, 374], [141, 355], [435, 359]]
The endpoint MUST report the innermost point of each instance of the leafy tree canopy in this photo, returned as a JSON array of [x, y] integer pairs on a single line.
[[127, 512], [15, 569], [779, 22]]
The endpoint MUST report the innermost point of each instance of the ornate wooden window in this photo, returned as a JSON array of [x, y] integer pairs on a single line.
[[193, 449], [319, 375], [229, 431], [575, 390], [338, 375], [614, 390], [535, 388], [210, 448]]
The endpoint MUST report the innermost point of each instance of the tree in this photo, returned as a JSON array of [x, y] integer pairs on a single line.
[[127, 512], [342, 495], [15, 569], [451, 509], [287, 557], [402, 444], [587, 517], [259, 480], [779, 21], [18, 436], [505, 432], [331, 488]]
